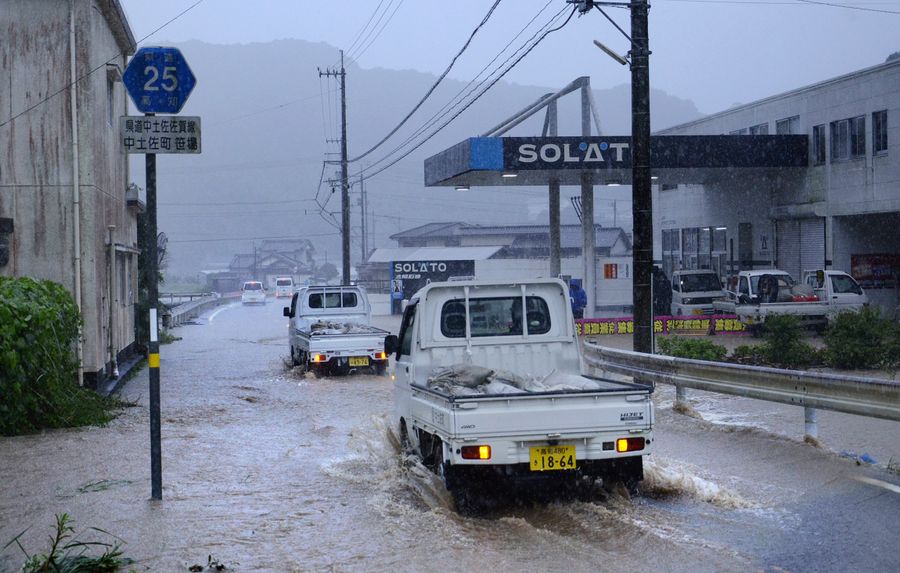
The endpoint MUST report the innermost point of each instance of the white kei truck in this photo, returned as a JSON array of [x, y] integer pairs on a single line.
[[757, 294], [329, 331], [489, 393]]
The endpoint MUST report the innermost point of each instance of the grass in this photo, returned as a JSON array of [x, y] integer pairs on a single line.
[[68, 554]]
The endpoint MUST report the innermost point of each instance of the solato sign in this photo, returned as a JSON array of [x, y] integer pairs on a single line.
[[407, 277], [566, 153]]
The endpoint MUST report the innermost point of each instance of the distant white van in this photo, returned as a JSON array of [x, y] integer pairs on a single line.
[[284, 286]]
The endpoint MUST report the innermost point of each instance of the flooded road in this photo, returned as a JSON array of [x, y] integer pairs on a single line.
[[266, 469]]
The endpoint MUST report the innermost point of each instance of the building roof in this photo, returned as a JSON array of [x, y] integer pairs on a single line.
[[118, 23], [570, 235], [387, 255], [430, 230]]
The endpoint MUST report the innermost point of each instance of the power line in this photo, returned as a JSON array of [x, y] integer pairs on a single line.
[[850, 7], [473, 100], [461, 95], [363, 29], [434, 85], [100, 67], [228, 239], [388, 21]]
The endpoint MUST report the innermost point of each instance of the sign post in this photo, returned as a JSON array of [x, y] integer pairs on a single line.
[[159, 81]]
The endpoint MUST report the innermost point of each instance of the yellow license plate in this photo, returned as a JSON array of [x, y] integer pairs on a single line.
[[359, 361], [549, 458]]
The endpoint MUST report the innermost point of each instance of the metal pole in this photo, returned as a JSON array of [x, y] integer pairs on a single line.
[[364, 248], [153, 350], [76, 188], [345, 185], [589, 261], [811, 428], [551, 129], [641, 192], [587, 211]]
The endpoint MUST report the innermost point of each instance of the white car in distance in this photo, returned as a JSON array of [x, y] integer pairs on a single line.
[[253, 292]]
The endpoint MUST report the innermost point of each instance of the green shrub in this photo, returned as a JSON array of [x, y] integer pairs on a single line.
[[783, 343], [749, 354], [696, 348], [39, 325], [863, 339]]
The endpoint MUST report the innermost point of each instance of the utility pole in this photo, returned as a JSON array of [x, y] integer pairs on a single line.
[[345, 185], [640, 178], [364, 243]]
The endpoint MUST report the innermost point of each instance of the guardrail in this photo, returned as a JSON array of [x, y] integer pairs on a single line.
[[177, 315], [181, 296], [873, 397]]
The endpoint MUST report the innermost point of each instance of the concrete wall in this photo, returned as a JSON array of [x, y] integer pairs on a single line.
[[36, 154]]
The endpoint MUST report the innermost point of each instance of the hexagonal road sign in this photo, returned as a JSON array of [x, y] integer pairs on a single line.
[[158, 80]]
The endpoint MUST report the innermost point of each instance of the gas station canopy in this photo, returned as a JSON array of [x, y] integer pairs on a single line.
[[502, 161]]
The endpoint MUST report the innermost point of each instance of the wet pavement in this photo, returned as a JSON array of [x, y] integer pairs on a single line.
[[267, 469]]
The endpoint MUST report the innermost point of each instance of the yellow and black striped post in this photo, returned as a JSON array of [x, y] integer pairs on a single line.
[[153, 347]]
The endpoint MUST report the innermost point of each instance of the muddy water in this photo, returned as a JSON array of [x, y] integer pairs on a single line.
[[267, 469]]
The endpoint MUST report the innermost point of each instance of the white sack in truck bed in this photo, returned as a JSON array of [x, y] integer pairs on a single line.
[[471, 380]]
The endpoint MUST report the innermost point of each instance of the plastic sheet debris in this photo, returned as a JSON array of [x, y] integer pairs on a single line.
[[471, 380], [328, 327], [860, 459]]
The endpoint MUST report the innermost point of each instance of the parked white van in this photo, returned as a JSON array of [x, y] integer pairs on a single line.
[[284, 286]]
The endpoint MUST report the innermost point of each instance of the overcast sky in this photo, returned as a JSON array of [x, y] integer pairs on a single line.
[[714, 52]]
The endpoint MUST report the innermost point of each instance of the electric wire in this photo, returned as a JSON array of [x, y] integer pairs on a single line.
[[474, 99], [98, 68], [363, 29], [433, 86], [460, 96], [388, 21]]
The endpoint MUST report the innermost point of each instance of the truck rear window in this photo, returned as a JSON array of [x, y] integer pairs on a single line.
[[284, 282], [333, 300], [498, 316]]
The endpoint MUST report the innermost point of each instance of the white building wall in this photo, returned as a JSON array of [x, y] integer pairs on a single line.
[[859, 198]]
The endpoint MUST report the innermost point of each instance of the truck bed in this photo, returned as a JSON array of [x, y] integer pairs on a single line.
[[535, 415]]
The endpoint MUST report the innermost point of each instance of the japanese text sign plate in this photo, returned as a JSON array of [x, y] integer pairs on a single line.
[[158, 80], [160, 134]]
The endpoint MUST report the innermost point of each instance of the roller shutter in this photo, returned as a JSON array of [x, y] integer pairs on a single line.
[[801, 245]]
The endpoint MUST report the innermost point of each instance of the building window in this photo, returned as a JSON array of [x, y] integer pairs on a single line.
[[858, 136], [788, 126], [840, 140], [761, 129], [111, 102], [738, 132], [879, 132], [818, 144]]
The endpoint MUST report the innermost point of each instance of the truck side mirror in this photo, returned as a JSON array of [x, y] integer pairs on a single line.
[[287, 312], [391, 344]]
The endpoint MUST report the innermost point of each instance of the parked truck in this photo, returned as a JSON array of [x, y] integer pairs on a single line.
[[695, 291], [329, 331], [489, 392], [755, 295]]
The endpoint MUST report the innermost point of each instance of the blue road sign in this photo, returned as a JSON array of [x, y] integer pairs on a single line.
[[158, 80]]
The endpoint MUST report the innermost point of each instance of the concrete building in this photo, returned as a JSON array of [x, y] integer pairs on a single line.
[[63, 177], [841, 212]]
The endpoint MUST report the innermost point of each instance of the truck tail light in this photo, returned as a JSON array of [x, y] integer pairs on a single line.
[[476, 452], [319, 358], [629, 444], [380, 355]]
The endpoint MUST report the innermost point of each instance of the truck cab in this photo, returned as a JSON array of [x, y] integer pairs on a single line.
[[838, 288], [695, 291]]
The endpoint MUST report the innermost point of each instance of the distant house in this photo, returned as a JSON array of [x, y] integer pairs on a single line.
[[272, 259], [66, 213]]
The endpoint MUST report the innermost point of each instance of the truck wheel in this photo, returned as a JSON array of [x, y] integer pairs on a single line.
[[294, 360]]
